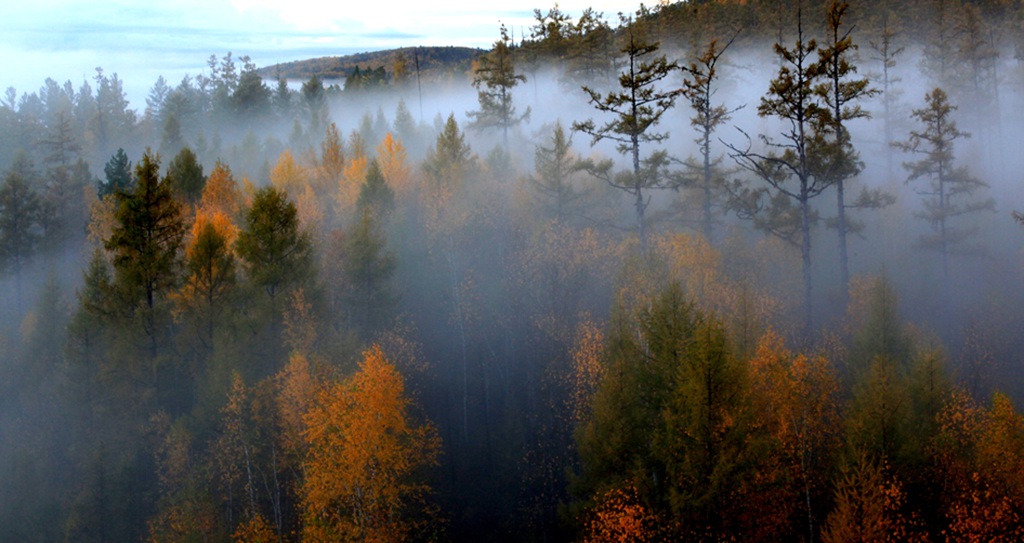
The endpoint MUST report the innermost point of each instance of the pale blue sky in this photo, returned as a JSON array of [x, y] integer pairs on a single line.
[[68, 39]]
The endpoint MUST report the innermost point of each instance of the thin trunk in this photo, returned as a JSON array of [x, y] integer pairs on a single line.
[[706, 150], [841, 227], [805, 253]]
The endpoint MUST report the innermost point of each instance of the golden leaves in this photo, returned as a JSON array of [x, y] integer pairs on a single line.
[[392, 158], [363, 454]]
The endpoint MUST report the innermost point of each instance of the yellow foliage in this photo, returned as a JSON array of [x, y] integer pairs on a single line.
[[392, 158], [288, 175], [587, 369], [101, 219], [352, 179], [310, 212], [296, 387]]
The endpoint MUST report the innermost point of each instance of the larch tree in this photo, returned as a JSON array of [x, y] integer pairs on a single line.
[[590, 53], [394, 165], [797, 403], [699, 87], [276, 257], [635, 109], [555, 167], [886, 51], [783, 208], [670, 416], [494, 78], [841, 93], [210, 267], [949, 192]]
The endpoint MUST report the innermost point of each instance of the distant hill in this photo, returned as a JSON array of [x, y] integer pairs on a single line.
[[433, 63]]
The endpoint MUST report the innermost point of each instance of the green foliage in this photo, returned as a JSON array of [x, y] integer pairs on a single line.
[[145, 243], [635, 110], [949, 192], [494, 79], [275, 252], [375, 196], [186, 176], [552, 182], [368, 268], [448, 162], [119, 178], [669, 416], [699, 86], [19, 223]]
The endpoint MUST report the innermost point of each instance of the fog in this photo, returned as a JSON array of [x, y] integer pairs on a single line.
[[127, 418]]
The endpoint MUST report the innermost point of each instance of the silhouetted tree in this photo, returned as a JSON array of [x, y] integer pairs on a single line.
[[494, 78], [788, 166], [949, 193], [636, 110]]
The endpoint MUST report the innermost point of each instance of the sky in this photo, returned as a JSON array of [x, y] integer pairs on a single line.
[[141, 40]]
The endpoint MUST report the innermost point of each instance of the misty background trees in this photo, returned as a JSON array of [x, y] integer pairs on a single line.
[[393, 307]]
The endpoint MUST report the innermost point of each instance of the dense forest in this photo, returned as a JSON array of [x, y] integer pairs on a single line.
[[708, 271]]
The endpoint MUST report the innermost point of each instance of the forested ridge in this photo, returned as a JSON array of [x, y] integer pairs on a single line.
[[706, 271]]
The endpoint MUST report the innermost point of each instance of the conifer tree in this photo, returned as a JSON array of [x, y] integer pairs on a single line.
[[783, 208], [118, 171], [699, 87], [841, 93], [274, 250], [554, 168], [19, 226], [186, 174], [145, 245], [949, 193], [635, 110], [494, 79]]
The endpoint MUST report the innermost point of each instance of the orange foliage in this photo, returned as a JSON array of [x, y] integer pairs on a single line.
[[981, 461], [795, 401], [221, 222], [363, 455], [392, 158], [619, 517], [867, 507], [352, 178], [209, 281], [221, 193]]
